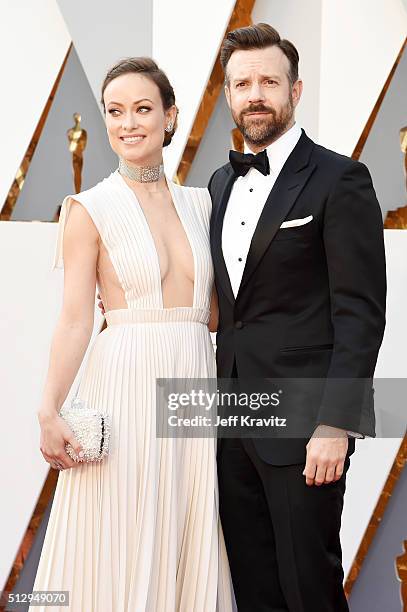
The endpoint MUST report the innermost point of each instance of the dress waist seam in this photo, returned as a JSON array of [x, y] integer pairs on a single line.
[[158, 315]]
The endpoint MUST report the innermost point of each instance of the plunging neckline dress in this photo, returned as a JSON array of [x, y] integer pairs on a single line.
[[140, 531]]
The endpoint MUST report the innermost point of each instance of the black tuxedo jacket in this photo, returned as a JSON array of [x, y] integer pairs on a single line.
[[312, 298]]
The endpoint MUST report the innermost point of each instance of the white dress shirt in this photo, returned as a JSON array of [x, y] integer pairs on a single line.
[[246, 202]]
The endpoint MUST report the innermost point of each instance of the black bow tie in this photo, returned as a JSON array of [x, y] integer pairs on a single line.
[[242, 162]]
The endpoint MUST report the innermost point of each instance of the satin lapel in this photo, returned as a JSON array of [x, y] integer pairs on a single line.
[[289, 184], [216, 237]]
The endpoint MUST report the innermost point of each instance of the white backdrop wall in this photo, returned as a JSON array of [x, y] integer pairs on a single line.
[[359, 45], [299, 22], [346, 49], [373, 459], [185, 44], [31, 297], [104, 32], [33, 43]]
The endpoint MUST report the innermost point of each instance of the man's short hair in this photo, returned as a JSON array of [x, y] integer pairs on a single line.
[[258, 36]]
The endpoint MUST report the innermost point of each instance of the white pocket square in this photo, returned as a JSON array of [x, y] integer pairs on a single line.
[[296, 222]]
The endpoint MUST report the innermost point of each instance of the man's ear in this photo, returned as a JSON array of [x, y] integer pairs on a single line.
[[297, 91], [227, 95]]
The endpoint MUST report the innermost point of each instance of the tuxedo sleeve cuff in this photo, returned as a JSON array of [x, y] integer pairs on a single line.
[[354, 434]]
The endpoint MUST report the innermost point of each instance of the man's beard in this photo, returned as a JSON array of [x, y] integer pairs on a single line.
[[261, 131]]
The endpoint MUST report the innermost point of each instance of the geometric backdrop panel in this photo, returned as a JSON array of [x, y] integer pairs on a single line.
[[33, 44], [381, 152], [104, 31], [50, 175], [359, 45]]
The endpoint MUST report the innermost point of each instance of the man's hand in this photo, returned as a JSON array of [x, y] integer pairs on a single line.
[[326, 453], [100, 304]]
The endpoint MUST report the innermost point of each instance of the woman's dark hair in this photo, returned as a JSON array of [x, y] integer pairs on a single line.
[[259, 36], [147, 67]]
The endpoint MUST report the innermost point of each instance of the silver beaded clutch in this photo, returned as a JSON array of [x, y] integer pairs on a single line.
[[91, 428]]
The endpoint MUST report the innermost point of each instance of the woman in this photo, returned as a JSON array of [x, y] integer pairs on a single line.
[[138, 531]]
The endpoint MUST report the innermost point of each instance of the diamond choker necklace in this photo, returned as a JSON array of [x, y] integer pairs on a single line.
[[141, 174]]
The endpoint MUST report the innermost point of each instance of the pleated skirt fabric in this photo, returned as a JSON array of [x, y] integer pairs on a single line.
[[140, 531]]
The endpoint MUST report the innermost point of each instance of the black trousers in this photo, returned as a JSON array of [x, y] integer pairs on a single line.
[[282, 536]]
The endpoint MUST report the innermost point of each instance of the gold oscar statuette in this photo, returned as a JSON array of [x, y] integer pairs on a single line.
[[401, 564], [77, 137], [397, 219]]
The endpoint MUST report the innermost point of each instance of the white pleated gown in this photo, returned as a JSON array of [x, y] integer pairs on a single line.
[[140, 531]]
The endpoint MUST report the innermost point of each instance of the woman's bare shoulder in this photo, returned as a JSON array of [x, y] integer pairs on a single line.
[[92, 203], [80, 222]]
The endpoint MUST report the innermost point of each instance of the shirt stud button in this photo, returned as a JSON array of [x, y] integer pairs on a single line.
[[251, 189], [240, 259], [243, 222]]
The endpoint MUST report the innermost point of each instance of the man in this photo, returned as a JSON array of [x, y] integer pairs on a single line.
[[297, 245]]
